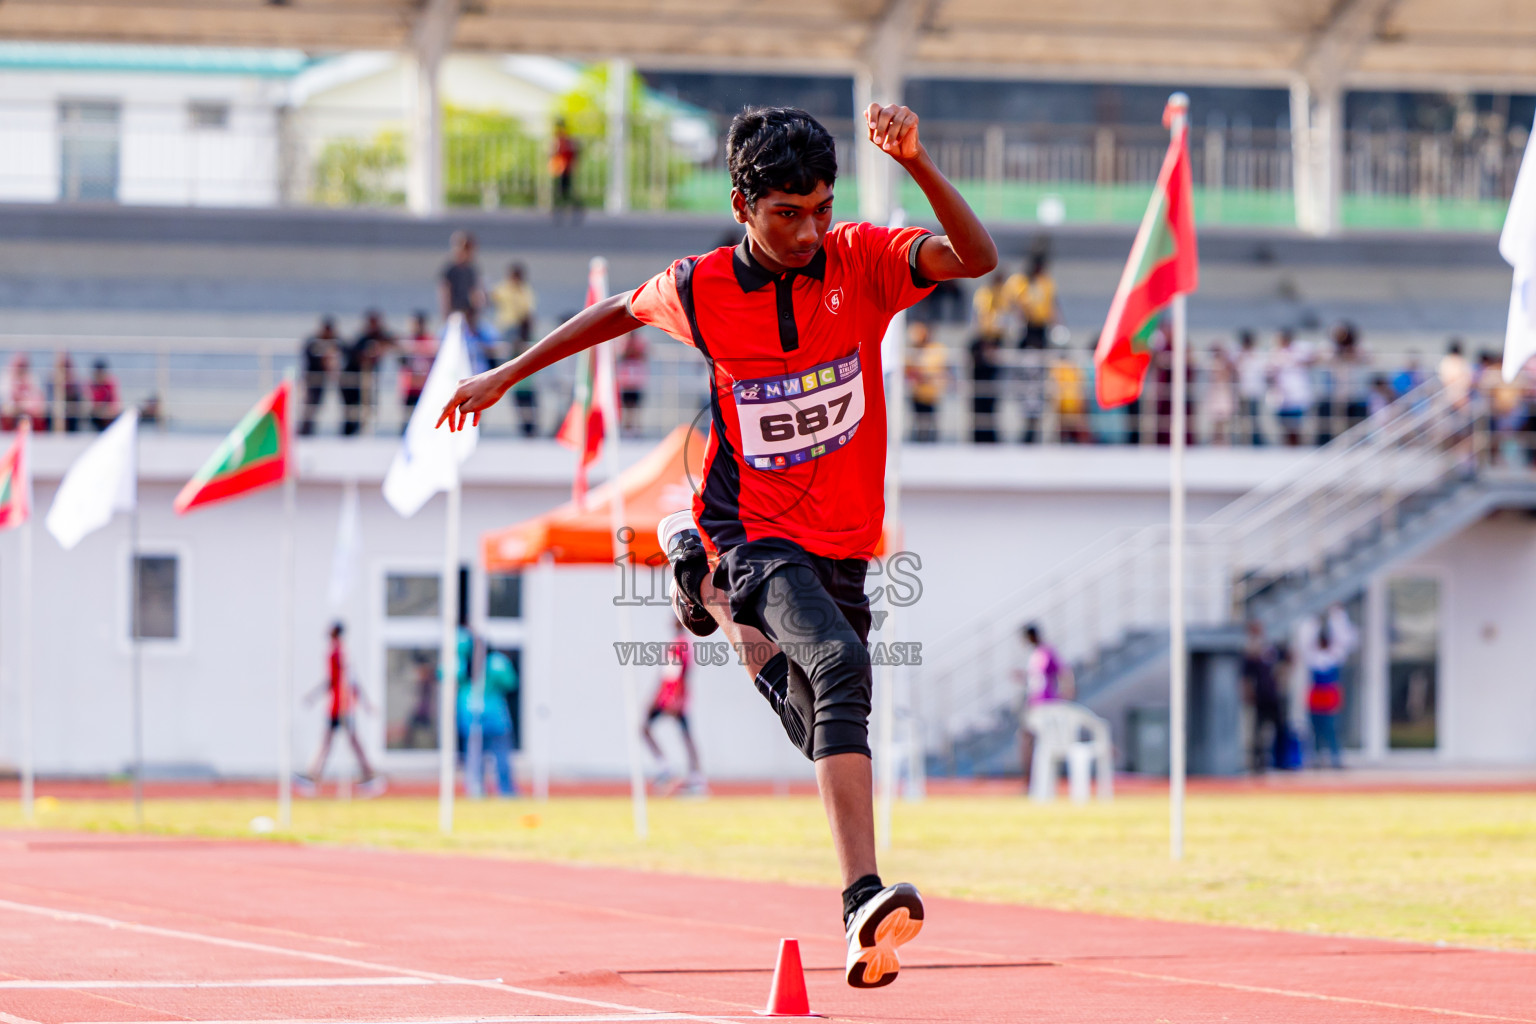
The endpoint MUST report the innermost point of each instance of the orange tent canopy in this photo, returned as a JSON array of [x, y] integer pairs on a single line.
[[655, 487]]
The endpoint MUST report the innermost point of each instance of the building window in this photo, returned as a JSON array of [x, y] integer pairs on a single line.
[[1413, 662], [88, 150], [155, 614], [410, 697], [411, 595], [504, 596], [209, 115]]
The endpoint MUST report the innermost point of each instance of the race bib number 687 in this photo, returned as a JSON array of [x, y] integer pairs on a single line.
[[801, 416]]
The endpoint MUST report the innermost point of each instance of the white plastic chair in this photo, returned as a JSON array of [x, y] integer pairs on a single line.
[[1058, 727]]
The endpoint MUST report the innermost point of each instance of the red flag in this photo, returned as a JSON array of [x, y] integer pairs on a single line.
[[583, 427], [1163, 264], [16, 479], [256, 454]]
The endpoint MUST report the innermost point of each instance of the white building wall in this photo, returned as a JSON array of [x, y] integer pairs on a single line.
[[163, 158], [984, 523], [1488, 648]]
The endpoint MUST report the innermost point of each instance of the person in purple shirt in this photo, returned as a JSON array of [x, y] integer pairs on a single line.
[[1045, 677]]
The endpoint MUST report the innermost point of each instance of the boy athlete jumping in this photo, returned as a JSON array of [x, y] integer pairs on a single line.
[[792, 500]]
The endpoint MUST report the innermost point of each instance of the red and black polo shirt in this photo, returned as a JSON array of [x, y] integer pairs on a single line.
[[797, 449]]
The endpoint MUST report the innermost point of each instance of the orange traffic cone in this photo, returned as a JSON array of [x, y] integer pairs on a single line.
[[787, 998]]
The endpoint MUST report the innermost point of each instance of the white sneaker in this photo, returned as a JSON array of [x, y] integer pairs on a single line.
[[673, 525], [890, 918], [684, 548]]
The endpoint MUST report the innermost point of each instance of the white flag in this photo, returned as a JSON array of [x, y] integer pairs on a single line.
[[103, 480], [428, 459], [349, 546], [1517, 244]]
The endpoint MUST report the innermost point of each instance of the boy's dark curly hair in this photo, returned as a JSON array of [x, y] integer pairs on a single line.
[[778, 148]]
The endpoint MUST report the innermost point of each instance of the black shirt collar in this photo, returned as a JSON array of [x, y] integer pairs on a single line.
[[752, 275]]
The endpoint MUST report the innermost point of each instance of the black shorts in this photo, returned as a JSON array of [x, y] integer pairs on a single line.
[[658, 712], [338, 722], [815, 609]]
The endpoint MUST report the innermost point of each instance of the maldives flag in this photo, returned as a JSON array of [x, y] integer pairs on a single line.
[[16, 479], [583, 427], [256, 454], [1162, 264]]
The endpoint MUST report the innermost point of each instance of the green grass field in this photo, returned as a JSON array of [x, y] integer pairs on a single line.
[[1456, 868]]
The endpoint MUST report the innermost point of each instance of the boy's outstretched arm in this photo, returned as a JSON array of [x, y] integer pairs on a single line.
[[592, 326], [965, 249]]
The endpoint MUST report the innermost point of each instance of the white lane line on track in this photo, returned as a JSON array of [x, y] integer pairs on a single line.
[[619, 1018], [11, 1018], [233, 983], [345, 961], [1302, 994]]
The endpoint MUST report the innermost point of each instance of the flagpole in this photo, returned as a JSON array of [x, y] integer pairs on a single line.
[[622, 535], [605, 384], [896, 373], [136, 655], [25, 572], [1178, 654], [286, 656], [447, 690]]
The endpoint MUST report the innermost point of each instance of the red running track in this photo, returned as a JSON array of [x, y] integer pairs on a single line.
[[123, 929]]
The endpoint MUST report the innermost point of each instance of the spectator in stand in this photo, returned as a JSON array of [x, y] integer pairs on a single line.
[[22, 395], [419, 349], [104, 402], [1504, 402], [66, 399], [1382, 395], [149, 411], [1037, 304], [1456, 375], [359, 361], [927, 379], [458, 286], [989, 304], [1290, 375], [1326, 646], [563, 154], [1161, 378], [1221, 394], [1252, 385], [318, 358], [1069, 399], [1351, 371], [1261, 689], [1408, 378], [630, 370], [945, 304], [515, 303]]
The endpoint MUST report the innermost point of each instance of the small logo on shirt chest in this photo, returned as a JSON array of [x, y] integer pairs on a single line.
[[834, 300]]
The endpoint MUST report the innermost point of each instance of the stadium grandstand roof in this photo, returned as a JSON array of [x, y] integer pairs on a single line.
[[1432, 44]]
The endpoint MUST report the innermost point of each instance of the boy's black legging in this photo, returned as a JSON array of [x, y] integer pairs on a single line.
[[819, 616]]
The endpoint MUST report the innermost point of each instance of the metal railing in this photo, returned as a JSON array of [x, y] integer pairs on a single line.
[[1031, 396], [1291, 532], [271, 154]]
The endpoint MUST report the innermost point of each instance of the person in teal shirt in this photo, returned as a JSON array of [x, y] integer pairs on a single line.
[[490, 710]]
